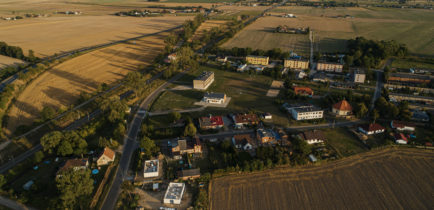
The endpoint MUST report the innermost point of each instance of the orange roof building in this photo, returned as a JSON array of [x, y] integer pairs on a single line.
[[304, 91], [342, 108], [106, 157]]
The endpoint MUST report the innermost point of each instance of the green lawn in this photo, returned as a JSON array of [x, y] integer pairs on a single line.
[[413, 62], [176, 100], [247, 92], [344, 141]]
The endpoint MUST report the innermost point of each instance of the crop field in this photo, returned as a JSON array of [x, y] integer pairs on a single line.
[[8, 61], [260, 35], [61, 86], [392, 178], [331, 30], [47, 36], [207, 26]]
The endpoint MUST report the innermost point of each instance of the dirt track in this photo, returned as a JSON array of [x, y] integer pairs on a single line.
[[384, 179]]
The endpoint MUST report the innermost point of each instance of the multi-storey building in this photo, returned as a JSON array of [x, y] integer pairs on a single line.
[[257, 60], [203, 81]]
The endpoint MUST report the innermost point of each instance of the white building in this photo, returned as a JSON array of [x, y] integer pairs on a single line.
[[402, 126], [359, 76], [304, 111], [214, 98], [151, 168], [174, 193]]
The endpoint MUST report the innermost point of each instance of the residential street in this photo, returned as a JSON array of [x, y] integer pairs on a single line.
[[131, 144]]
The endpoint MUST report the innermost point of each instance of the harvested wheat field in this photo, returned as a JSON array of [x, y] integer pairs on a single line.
[[8, 61], [61, 86], [47, 36], [331, 29], [207, 26], [260, 35], [391, 178]]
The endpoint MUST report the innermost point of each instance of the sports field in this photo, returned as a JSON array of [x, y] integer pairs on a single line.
[[383, 179], [331, 30]]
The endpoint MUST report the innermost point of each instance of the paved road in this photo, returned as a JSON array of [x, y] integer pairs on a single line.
[[378, 88], [131, 145], [12, 204]]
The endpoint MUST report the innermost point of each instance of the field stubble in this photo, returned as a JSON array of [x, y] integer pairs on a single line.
[[392, 178]]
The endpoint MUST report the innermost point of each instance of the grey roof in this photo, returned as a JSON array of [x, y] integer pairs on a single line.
[[204, 75], [214, 95]]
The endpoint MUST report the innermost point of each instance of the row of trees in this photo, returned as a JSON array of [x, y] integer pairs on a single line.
[[16, 52], [64, 143]]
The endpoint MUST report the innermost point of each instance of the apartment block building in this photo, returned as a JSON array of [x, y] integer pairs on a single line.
[[203, 81], [296, 64], [257, 60]]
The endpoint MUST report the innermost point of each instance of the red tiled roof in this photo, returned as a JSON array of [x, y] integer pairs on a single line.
[[212, 121], [303, 90], [343, 106], [372, 127], [109, 153], [401, 124], [314, 134], [246, 118]]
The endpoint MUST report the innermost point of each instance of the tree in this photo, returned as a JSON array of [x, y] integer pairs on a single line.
[[75, 187], [115, 107], [361, 110], [38, 156], [302, 146], [175, 116], [65, 148], [2, 181], [135, 81], [51, 140], [375, 115], [190, 130], [148, 146]]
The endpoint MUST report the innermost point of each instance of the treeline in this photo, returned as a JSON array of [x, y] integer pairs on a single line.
[[323, 4], [16, 52], [369, 53]]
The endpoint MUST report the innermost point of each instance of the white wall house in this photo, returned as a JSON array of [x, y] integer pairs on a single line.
[[151, 168]]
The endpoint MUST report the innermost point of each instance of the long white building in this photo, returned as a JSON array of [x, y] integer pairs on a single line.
[[304, 111]]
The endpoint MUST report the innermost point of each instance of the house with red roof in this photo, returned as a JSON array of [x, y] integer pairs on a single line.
[[402, 126], [106, 157], [342, 108], [400, 138], [241, 120], [303, 91], [211, 122], [372, 128]]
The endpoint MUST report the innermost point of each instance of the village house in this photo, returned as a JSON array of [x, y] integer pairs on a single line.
[[151, 168], [266, 136], [400, 138], [402, 126], [241, 120], [170, 58], [321, 77], [242, 67], [214, 98], [183, 146], [304, 111], [211, 122], [204, 80], [342, 108], [268, 116], [296, 64], [372, 128], [106, 157], [222, 59], [359, 76], [244, 142], [329, 67], [189, 174], [303, 91], [74, 164], [257, 60], [313, 136]]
